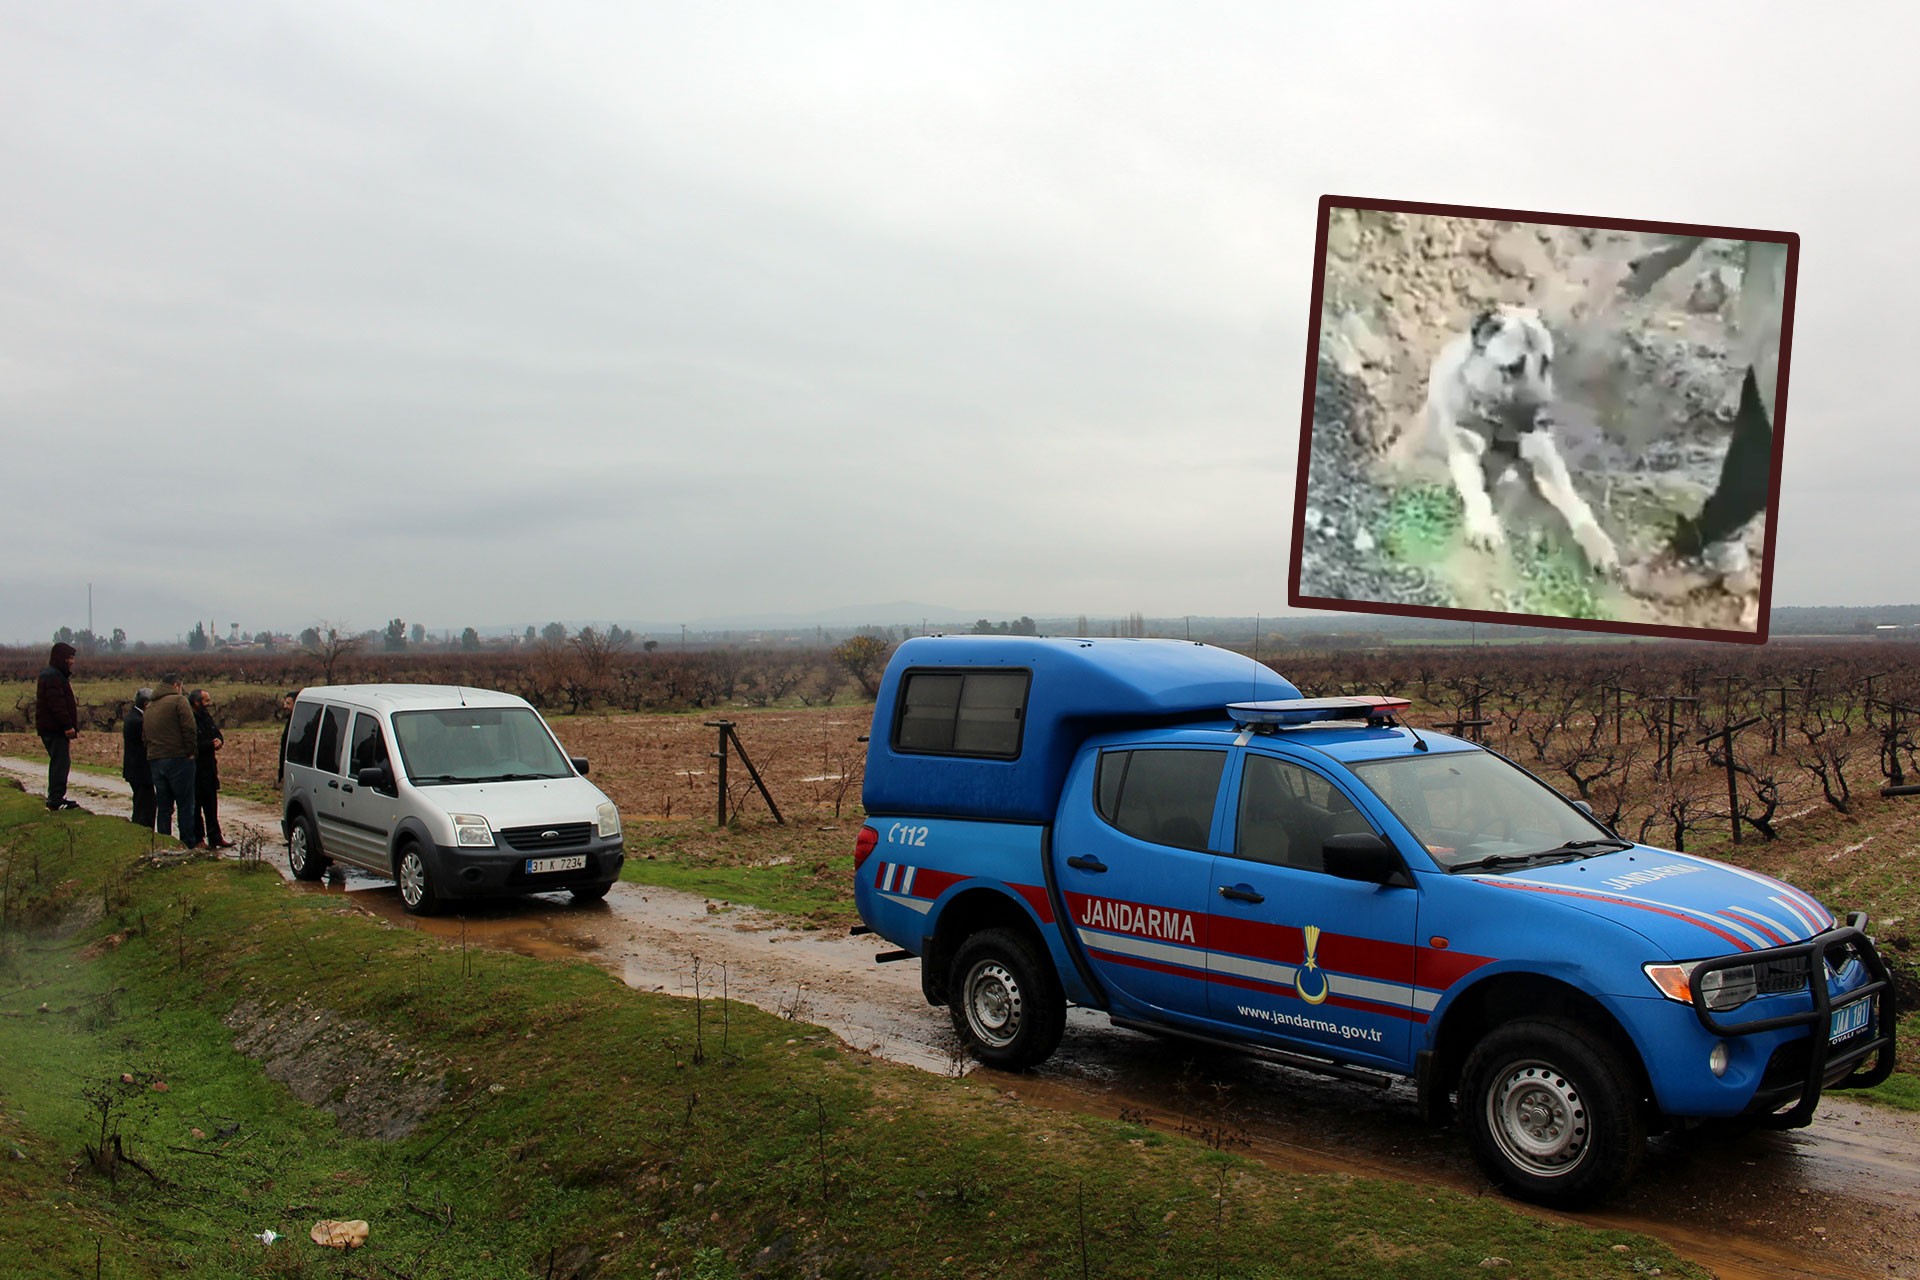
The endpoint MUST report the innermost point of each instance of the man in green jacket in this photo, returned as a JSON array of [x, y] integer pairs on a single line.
[[172, 743]]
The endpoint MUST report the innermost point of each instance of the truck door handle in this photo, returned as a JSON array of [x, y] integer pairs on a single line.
[[1086, 862], [1242, 893]]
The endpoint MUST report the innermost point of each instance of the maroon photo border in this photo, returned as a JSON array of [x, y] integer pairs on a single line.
[[1328, 203]]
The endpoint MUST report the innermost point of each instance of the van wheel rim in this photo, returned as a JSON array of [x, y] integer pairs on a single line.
[[1539, 1120], [413, 879], [297, 847], [994, 1005]]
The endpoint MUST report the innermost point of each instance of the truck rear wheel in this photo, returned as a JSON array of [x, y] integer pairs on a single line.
[[1550, 1112], [1005, 1001]]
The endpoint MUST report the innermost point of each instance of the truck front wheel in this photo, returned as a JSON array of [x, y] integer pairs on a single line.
[[1550, 1112], [1006, 1002]]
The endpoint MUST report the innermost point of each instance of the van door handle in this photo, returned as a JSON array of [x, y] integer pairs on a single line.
[[346, 786], [1086, 862], [333, 784], [1242, 893]]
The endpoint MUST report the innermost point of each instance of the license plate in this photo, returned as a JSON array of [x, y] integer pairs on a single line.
[[577, 862], [1850, 1020]]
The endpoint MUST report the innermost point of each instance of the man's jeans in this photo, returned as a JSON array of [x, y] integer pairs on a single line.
[[59, 764], [173, 782]]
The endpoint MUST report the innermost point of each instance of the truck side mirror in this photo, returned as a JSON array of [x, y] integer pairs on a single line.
[[1583, 807], [1364, 856], [579, 764], [378, 777]]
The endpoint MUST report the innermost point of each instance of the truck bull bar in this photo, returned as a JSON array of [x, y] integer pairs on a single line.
[[1779, 970]]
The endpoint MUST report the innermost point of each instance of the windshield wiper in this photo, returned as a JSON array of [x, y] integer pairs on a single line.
[[1569, 851], [1493, 860]]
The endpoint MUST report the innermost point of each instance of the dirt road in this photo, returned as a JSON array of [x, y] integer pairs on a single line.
[[1838, 1199]]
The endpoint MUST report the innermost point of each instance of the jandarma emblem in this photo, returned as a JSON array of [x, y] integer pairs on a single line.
[[1309, 981]]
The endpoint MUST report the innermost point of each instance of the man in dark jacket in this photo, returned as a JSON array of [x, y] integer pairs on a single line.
[[56, 716], [208, 740], [133, 759], [172, 743], [286, 723]]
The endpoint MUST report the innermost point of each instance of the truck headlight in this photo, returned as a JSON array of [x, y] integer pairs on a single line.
[[1720, 989], [471, 829], [609, 820]]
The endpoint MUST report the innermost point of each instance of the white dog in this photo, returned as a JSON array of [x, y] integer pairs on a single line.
[[1487, 399]]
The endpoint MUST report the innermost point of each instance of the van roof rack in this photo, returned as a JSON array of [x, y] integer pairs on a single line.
[[1292, 712]]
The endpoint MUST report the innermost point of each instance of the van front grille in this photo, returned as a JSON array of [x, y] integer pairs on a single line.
[[559, 835]]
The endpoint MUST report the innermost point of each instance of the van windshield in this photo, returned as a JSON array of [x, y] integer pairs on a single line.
[[476, 744]]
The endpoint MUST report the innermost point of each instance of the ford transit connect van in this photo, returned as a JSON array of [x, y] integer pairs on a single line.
[[454, 792]]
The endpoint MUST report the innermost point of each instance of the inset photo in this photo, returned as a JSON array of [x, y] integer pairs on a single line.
[[1547, 419]]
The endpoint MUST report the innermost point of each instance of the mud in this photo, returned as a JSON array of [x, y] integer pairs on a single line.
[[1838, 1199]]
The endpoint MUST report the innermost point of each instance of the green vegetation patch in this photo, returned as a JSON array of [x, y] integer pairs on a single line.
[[541, 1119], [1555, 580], [1422, 523], [802, 870]]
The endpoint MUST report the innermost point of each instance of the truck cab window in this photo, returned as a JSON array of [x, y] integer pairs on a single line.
[[1287, 813], [1163, 796]]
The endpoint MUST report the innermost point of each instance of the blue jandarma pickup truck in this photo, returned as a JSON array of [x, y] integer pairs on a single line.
[[1168, 832]]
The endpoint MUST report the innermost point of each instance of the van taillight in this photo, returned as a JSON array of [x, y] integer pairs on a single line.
[[863, 845]]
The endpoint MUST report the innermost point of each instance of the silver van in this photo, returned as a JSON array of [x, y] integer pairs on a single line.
[[454, 792]]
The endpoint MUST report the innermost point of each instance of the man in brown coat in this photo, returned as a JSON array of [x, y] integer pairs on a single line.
[[56, 717], [173, 741]]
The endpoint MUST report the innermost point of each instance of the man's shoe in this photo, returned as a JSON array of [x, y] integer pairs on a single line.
[[53, 807]]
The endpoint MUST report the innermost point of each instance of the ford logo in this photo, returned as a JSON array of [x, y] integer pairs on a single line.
[[549, 835]]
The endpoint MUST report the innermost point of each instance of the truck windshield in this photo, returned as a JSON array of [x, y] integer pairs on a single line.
[[476, 744], [1471, 809]]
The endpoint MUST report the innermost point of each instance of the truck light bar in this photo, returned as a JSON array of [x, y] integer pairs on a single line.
[[1298, 711]]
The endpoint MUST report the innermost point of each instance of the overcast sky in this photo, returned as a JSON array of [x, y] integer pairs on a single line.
[[483, 314]]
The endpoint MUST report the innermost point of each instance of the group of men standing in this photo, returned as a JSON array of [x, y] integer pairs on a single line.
[[170, 752]]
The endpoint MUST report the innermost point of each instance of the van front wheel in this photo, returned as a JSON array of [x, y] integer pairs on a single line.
[[416, 883], [1006, 1002]]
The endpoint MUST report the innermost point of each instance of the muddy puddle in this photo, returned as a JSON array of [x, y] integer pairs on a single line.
[[1839, 1199]]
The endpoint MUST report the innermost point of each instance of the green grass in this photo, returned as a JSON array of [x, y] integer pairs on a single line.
[[803, 870], [1554, 581], [582, 1120], [1422, 523]]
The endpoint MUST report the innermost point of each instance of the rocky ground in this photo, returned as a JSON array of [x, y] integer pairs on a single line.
[[1647, 396]]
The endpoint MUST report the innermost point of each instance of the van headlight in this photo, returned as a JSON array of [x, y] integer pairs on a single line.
[[1720, 989], [471, 830], [609, 820]]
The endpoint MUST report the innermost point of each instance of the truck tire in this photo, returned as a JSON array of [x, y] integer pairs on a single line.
[[1551, 1112], [1005, 1000]]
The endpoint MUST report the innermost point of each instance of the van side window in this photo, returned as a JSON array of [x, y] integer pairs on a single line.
[[302, 733], [333, 729], [369, 745], [1287, 813], [962, 713], [1162, 795]]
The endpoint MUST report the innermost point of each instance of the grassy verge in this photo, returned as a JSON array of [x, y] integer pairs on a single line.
[[543, 1120], [803, 870]]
